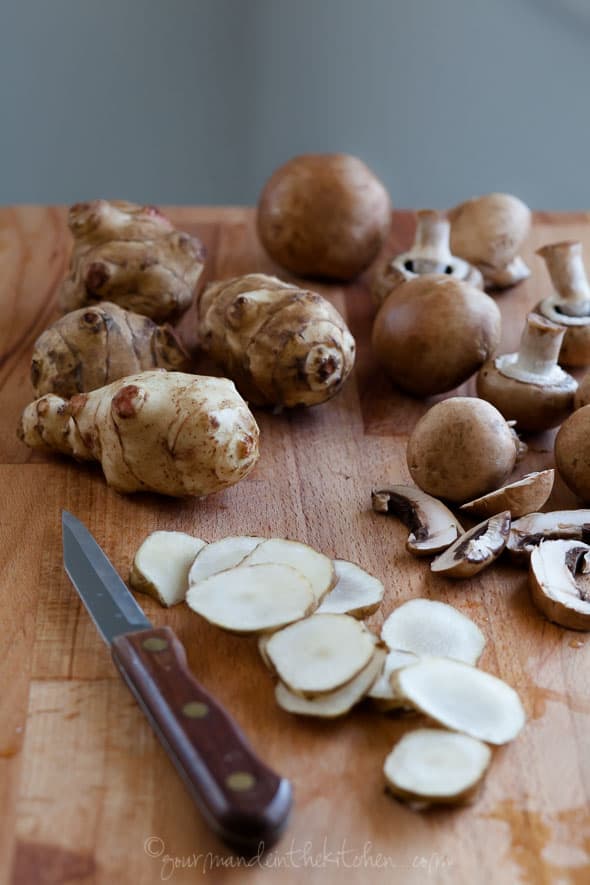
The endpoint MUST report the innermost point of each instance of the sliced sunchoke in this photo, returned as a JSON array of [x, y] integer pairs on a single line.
[[321, 653], [433, 766], [156, 431], [162, 564], [462, 698], [333, 703], [130, 255], [382, 693], [559, 582], [252, 598], [94, 346], [432, 525], [283, 346], [530, 530], [317, 568], [474, 550], [429, 627], [521, 497], [356, 592], [221, 555]]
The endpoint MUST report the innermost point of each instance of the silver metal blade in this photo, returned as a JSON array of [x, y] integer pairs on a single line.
[[108, 601]]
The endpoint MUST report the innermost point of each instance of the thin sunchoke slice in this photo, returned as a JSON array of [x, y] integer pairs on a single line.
[[474, 550], [526, 495], [253, 598], [333, 703], [221, 555], [559, 582], [382, 694], [161, 565], [433, 766], [432, 525], [462, 698], [526, 533], [428, 627], [321, 653], [356, 593], [317, 568]]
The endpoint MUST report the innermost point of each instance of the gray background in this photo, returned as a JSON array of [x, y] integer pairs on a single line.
[[196, 101]]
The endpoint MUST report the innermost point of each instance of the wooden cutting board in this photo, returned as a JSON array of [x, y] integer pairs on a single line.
[[86, 793]]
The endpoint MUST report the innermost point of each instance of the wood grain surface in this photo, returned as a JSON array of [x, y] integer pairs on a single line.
[[86, 793]]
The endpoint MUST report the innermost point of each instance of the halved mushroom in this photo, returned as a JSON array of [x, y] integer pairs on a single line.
[[432, 766], [526, 533], [161, 565], [462, 698], [559, 582], [569, 305], [432, 525], [429, 627], [381, 693], [476, 549], [430, 254], [356, 592], [333, 703], [523, 496], [221, 555], [317, 568]]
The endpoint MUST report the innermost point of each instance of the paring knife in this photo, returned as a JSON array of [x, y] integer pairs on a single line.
[[242, 799]]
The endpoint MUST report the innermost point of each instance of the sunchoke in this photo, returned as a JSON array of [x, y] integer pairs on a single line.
[[131, 255], [155, 431]]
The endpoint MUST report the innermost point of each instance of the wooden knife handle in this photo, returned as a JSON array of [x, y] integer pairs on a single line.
[[242, 799]]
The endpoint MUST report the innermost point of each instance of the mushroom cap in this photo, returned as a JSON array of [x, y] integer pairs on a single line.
[[323, 215], [534, 407], [461, 449], [475, 549], [434, 332], [572, 452], [489, 230], [523, 496], [582, 396], [555, 589]]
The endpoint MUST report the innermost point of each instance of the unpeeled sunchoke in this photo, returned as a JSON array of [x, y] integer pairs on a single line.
[[131, 255], [94, 346], [283, 346], [158, 431]]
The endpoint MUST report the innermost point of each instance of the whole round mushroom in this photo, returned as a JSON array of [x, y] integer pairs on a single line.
[[323, 215], [572, 452], [462, 448], [569, 305], [433, 332]]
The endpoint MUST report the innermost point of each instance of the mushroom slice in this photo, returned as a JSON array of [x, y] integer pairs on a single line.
[[432, 525], [428, 627], [433, 766], [559, 582], [356, 593], [462, 698], [317, 568], [382, 693], [521, 497], [221, 555], [474, 550], [321, 653], [333, 703], [526, 533], [253, 598], [161, 565]]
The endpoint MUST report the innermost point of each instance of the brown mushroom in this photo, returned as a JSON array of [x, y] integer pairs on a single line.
[[474, 550], [430, 254], [526, 533], [523, 496], [559, 582], [569, 305], [323, 215], [572, 452], [432, 525], [434, 332], [528, 386]]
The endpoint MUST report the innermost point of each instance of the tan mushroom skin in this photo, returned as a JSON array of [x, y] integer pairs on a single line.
[[524, 496], [476, 549], [572, 453], [569, 305]]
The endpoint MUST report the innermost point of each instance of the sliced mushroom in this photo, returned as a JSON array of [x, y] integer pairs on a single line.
[[526, 533], [569, 305], [476, 549], [432, 525], [429, 627], [521, 497], [430, 254], [356, 592], [559, 582]]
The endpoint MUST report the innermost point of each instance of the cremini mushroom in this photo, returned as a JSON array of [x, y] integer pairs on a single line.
[[526, 533], [488, 232], [572, 452], [429, 254], [582, 396], [475, 550], [569, 305], [433, 332], [432, 525], [523, 496], [559, 582], [528, 386], [462, 448]]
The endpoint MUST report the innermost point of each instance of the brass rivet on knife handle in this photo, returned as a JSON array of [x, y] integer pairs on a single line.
[[154, 643], [239, 781], [195, 710]]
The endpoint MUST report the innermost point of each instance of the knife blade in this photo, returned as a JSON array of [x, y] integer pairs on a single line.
[[241, 798]]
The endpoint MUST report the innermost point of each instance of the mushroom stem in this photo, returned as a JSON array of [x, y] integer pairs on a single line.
[[432, 239], [566, 268], [539, 346]]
